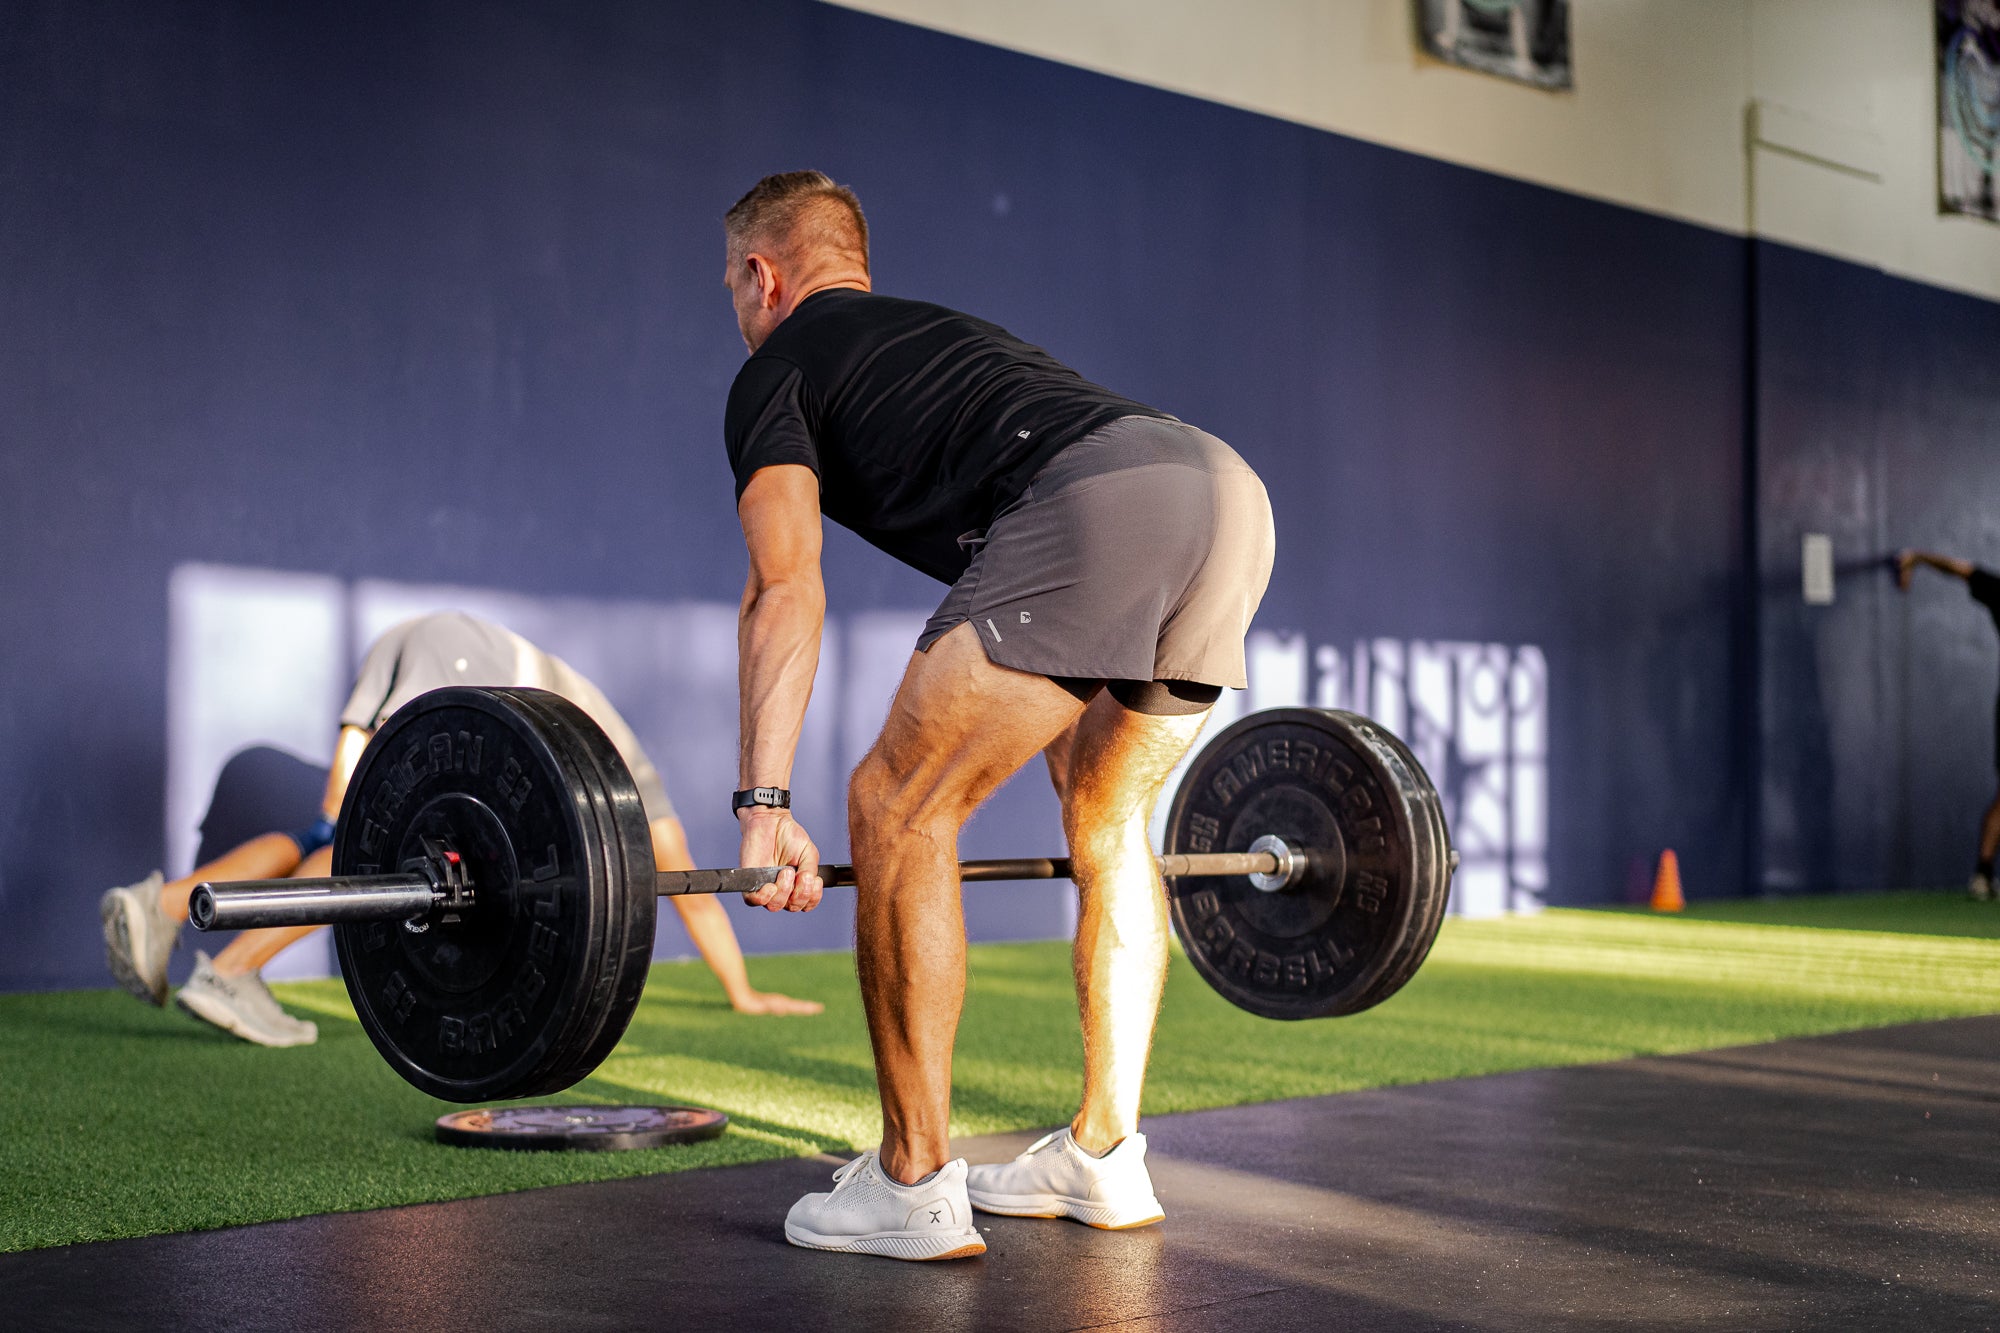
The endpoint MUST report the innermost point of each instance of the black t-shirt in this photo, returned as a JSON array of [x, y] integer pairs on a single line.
[[921, 423], [1985, 587]]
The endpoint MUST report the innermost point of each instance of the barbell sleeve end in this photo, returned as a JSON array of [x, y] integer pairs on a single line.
[[249, 904], [201, 907]]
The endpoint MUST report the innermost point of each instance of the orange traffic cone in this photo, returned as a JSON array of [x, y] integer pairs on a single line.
[[1667, 884]]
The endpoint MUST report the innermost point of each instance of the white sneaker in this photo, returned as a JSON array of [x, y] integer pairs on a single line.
[[1056, 1178], [1981, 888], [138, 938], [868, 1213], [242, 1007]]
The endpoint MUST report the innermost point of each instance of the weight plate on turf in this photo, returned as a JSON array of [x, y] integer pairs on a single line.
[[1350, 929], [579, 1128], [523, 993]]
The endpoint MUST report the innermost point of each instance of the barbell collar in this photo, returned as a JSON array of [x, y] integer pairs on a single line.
[[1291, 864], [249, 904]]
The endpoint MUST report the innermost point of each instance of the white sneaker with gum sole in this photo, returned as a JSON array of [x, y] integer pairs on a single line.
[[867, 1212], [1056, 1178]]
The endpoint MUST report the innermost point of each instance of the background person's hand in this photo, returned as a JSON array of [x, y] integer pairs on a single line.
[[771, 837], [1906, 563], [771, 1002]]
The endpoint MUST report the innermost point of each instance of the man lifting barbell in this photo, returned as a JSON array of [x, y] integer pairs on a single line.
[[493, 890], [141, 921], [1105, 561]]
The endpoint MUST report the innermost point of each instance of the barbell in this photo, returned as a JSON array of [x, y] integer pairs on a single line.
[[494, 890]]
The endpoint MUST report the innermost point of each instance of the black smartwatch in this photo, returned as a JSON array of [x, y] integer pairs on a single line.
[[780, 797]]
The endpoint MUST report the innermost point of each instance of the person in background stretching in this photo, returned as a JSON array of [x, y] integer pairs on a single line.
[[1984, 585], [142, 921]]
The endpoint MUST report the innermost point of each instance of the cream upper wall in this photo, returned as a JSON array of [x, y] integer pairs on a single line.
[[1657, 120], [1869, 65], [1659, 137]]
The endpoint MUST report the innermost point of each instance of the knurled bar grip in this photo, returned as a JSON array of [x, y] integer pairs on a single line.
[[750, 879], [308, 902], [248, 904]]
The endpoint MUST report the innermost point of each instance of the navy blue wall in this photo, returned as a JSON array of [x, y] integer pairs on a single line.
[[1878, 424], [431, 292]]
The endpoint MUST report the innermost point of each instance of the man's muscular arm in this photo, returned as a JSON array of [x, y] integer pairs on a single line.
[[777, 646]]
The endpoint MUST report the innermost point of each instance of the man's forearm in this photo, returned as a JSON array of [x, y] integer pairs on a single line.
[[777, 644]]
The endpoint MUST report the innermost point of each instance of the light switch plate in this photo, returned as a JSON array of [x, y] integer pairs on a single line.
[[1816, 557]]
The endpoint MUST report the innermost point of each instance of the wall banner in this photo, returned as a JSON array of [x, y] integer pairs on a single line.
[[1968, 45], [1526, 40]]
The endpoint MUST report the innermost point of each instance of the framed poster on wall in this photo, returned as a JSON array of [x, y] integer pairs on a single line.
[[1526, 40], [1968, 54]]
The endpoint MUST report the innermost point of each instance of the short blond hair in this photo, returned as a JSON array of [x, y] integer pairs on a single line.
[[796, 213]]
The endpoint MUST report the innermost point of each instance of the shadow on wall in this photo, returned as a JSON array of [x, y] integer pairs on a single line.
[[264, 658]]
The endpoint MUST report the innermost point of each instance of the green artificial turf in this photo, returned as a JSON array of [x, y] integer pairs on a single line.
[[1900, 913], [120, 1120]]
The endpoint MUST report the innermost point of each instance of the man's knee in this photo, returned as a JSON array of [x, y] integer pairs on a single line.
[[870, 788], [1107, 843], [1103, 826], [885, 795]]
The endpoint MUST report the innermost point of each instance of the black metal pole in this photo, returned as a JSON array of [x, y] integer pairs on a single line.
[[315, 902], [673, 883]]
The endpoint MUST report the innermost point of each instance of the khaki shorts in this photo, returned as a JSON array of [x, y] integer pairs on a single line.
[[1140, 552]]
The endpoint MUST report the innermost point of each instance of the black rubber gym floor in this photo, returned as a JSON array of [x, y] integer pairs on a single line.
[[1838, 1182]]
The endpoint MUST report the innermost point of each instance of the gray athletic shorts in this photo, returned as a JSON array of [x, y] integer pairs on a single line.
[[1140, 552]]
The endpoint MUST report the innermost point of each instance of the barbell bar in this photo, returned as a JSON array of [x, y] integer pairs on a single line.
[[494, 893], [250, 904]]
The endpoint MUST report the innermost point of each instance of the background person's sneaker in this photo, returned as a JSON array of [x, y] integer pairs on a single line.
[[1055, 1178], [242, 1007], [868, 1213], [138, 938], [1981, 887]]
